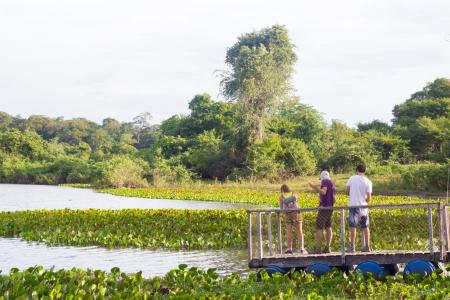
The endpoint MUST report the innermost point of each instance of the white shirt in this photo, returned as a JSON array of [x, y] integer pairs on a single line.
[[359, 187]]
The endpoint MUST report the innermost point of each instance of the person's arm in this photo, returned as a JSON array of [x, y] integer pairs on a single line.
[[347, 188], [317, 188], [281, 202], [369, 192]]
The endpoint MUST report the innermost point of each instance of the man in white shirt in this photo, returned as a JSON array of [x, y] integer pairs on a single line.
[[359, 190]]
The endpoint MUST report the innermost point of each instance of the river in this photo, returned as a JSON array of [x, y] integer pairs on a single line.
[[22, 254]]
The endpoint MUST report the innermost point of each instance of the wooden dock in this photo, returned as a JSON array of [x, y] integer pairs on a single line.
[[270, 250], [335, 259]]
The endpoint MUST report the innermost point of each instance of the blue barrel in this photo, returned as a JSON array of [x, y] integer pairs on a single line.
[[372, 267], [318, 269], [420, 267], [271, 269]]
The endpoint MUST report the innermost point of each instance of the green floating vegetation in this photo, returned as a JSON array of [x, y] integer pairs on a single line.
[[193, 283], [192, 229], [78, 185], [240, 195]]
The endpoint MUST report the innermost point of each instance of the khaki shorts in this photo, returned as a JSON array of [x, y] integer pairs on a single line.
[[292, 218]]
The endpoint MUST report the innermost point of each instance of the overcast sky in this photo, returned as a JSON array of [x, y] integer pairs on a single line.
[[105, 58]]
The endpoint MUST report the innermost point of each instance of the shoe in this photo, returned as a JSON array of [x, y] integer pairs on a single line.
[[351, 248], [288, 251], [327, 250], [367, 249], [303, 251]]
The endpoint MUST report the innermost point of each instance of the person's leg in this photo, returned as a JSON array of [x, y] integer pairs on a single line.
[[299, 229], [329, 237], [319, 238], [366, 233], [328, 229], [319, 233], [289, 236], [352, 235]]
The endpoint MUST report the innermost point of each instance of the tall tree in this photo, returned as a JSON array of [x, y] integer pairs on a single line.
[[261, 66]]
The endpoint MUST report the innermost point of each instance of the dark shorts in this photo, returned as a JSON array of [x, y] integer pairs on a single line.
[[323, 219], [358, 218], [292, 218]]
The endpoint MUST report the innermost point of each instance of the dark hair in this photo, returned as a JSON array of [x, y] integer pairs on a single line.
[[285, 189], [361, 168]]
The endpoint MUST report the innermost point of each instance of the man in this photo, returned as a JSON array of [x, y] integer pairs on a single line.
[[359, 190], [327, 196]]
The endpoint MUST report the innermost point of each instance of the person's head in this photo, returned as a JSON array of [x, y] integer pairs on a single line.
[[324, 175], [285, 189], [360, 168]]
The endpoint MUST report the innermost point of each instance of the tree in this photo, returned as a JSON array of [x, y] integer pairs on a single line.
[[375, 125], [261, 65], [141, 122], [424, 120], [439, 88]]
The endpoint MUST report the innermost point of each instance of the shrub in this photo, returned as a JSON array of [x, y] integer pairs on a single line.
[[121, 171]]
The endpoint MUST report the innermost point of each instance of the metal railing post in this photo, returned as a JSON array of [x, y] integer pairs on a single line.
[[260, 248], [447, 228], [430, 230], [441, 231], [280, 239], [269, 232], [343, 236], [249, 218]]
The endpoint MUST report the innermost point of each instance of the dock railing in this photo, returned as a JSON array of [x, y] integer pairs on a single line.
[[269, 244]]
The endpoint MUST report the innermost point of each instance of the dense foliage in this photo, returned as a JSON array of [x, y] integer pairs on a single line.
[[265, 132], [193, 283]]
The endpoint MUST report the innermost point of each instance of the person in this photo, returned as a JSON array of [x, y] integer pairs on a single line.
[[359, 190], [327, 196], [289, 200]]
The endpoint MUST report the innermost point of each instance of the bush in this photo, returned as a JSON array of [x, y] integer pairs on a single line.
[[121, 171], [425, 177], [298, 159], [164, 170]]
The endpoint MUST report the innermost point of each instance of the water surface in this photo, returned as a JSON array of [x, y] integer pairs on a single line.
[[29, 197], [17, 253]]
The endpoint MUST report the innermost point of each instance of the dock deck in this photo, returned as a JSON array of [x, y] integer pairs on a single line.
[[337, 259]]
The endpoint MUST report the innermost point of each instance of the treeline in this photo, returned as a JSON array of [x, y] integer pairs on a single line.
[[263, 132], [207, 144]]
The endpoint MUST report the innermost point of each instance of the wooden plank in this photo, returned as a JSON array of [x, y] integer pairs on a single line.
[[388, 258]]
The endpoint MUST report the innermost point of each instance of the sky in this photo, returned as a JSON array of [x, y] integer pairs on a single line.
[[107, 58]]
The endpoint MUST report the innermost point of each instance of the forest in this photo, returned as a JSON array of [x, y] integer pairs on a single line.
[[261, 130]]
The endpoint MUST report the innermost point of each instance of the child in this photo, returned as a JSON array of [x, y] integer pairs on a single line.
[[289, 200]]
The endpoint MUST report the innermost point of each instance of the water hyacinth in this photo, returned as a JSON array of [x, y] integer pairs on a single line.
[[193, 283]]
